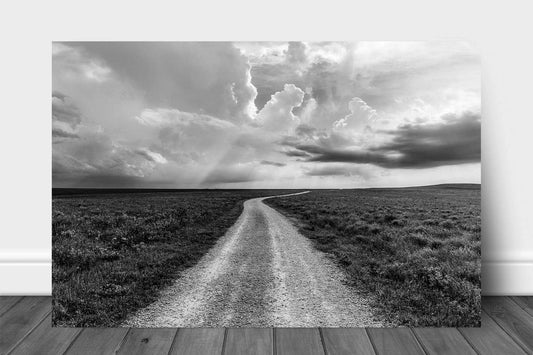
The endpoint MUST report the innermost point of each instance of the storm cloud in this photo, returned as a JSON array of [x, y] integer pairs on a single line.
[[59, 133], [339, 170], [272, 163], [264, 114], [455, 140], [64, 110]]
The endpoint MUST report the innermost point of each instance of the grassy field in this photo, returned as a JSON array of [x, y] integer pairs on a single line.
[[114, 250], [415, 252]]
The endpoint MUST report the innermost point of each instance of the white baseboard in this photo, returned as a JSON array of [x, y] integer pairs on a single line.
[[509, 278], [26, 277]]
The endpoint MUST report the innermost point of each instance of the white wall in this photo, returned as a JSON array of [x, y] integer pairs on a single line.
[[502, 31]]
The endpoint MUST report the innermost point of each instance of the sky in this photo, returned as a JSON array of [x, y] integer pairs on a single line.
[[265, 114]]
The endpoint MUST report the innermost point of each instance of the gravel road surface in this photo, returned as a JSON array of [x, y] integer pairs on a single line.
[[261, 273]]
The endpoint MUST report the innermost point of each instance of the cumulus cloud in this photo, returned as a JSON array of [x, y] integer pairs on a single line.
[[360, 115], [379, 73], [277, 114]]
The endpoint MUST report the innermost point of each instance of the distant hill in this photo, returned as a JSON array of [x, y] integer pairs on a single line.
[[431, 187], [452, 186]]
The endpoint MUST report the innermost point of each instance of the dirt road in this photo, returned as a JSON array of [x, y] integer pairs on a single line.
[[261, 273]]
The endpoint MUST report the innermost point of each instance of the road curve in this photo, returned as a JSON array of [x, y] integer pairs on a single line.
[[261, 273]]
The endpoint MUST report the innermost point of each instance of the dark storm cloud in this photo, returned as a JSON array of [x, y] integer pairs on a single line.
[[337, 171], [273, 163], [305, 130], [456, 140], [59, 133], [63, 110], [296, 153]]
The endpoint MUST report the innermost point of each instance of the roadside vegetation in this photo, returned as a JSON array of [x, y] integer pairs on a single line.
[[414, 252], [113, 251]]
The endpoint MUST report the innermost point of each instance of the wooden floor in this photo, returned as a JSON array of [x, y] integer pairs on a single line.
[[507, 328]]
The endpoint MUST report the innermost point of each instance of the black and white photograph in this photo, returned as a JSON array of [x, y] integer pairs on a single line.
[[266, 184]]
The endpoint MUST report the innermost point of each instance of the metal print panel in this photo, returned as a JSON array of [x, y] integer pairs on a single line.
[[266, 184]]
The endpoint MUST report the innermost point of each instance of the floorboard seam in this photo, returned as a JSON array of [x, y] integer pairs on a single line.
[[517, 341], [419, 342], [173, 341], [274, 341], [72, 342], [224, 341], [468, 341], [521, 306], [25, 336], [374, 348], [13, 305], [324, 349], [119, 345], [28, 333]]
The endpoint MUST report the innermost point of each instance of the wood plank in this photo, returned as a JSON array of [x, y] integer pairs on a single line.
[[20, 319], [198, 341], [340, 341], [525, 302], [46, 340], [98, 341], [513, 319], [243, 341], [443, 341], [6, 302], [398, 341], [148, 341], [490, 339], [296, 341]]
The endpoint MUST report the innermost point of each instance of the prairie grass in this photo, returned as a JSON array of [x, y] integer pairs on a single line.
[[415, 253], [113, 252]]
